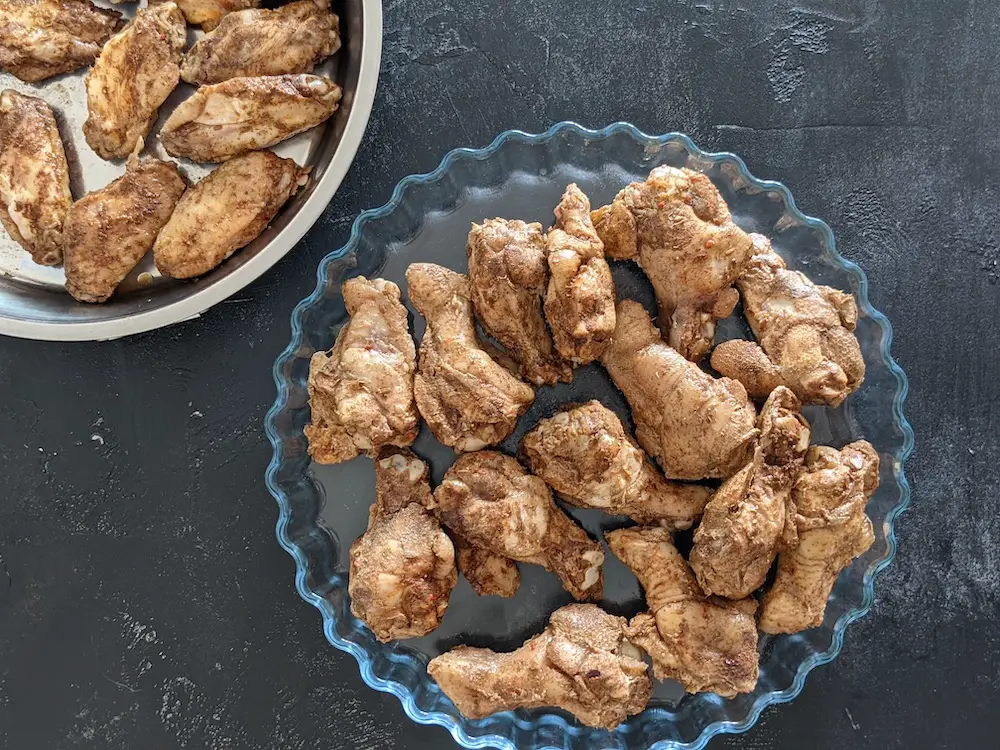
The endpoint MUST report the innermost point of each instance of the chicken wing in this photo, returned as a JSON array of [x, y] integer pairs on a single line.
[[293, 38], [678, 227], [231, 118], [695, 425], [751, 513], [132, 77], [361, 391], [806, 332], [403, 567], [584, 454], [706, 644], [490, 500], [489, 573], [582, 662], [832, 529], [109, 231], [580, 301], [34, 177], [507, 276], [209, 13], [467, 399]]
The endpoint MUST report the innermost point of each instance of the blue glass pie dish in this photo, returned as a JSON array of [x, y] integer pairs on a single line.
[[324, 508]]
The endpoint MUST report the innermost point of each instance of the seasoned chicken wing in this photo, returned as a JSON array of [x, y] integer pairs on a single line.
[[361, 391], [132, 77], [43, 38], [231, 118], [678, 227], [209, 13], [490, 500], [706, 644], [580, 301], [584, 454], [489, 573], [832, 529], [109, 231], [225, 212], [34, 176], [695, 425], [403, 567], [467, 399], [293, 38], [507, 275], [806, 331], [582, 662]]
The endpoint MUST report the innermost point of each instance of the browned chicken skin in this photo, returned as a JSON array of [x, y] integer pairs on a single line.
[[696, 426], [678, 227], [403, 567], [489, 573], [209, 13], [361, 392], [508, 273], [490, 500], [706, 644], [832, 529], [584, 454], [582, 662]]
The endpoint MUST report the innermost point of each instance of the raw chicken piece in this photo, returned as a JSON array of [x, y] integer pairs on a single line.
[[225, 212], [584, 454], [582, 662], [361, 391], [706, 644], [403, 567], [293, 38], [679, 229], [507, 276], [832, 529], [580, 301], [695, 425], [132, 77], [489, 573], [751, 513], [109, 231], [467, 399], [490, 500], [209, 13], [43, 38], [806, 332], [231, 118], [34, 177]]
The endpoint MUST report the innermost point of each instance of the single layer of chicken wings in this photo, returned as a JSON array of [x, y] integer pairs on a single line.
[[209, 13]]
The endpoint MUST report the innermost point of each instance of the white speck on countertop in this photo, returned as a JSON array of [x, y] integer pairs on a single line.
[[96, 438], [197, 414]]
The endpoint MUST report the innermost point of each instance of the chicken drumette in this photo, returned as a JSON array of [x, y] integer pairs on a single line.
[[489, 573], [209, 13], [491, 501], [584, 454], [706, 644], [678, 227], [582, 662]]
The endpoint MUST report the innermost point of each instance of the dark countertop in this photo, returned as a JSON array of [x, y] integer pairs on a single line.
[[144, 601]]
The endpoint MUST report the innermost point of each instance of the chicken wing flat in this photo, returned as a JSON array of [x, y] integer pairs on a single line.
[[231, 118], [678, 227], [706, 644], [209, 13], [695, 425], [361, 391], [467, 399], [34, 177], [490, 500], [293, 38], [832, 529], [109, 231], [132, 77], [580, 301], [806, 332], [582, 662], [43, 38], [403, 567], [585, 455], [508, 272], [225, 212], [489, 573]]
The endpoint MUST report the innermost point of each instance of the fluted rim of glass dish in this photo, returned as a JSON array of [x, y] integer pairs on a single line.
[[406, 693]]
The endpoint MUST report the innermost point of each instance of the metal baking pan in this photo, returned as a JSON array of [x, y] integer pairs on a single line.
[[33, 302]]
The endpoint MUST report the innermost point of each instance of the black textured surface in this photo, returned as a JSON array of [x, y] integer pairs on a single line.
[[143, 599]]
